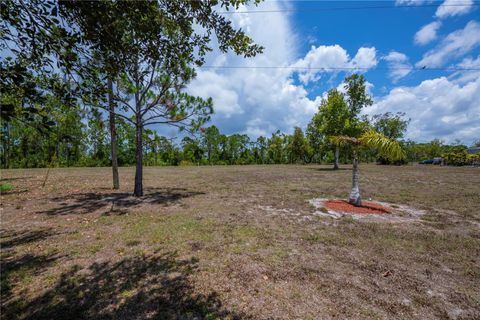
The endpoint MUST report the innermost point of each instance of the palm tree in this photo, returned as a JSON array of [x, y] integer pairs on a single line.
[[386, 147]]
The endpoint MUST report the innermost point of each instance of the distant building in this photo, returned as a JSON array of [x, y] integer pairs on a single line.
[[473, 150]]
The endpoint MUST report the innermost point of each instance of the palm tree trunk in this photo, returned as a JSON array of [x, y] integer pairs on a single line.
[[337, 156], [355, 198], [113, 136]]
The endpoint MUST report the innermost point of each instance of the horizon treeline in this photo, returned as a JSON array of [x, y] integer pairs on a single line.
[[81, 138]]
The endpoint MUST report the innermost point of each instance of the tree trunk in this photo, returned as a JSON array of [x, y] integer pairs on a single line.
[[337, 156], [138, 191], [113, 135], [355, 198], [6, 145]]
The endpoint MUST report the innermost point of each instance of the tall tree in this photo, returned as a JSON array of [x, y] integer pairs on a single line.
[[261, 147], [160, 41], [97, 136], [298, 147], [211, 144], [276, 148], [332, 119], [316, 140], [192, 150]]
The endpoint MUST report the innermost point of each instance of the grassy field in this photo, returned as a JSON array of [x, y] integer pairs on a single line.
[[238, 242]]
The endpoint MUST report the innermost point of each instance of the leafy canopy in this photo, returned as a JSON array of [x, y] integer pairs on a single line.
[[391, 125]]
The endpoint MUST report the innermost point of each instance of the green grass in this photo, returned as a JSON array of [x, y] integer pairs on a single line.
[[176, 229], [5, 187]]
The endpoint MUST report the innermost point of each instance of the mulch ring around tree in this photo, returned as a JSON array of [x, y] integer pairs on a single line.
[[371, 210], [366, 208]]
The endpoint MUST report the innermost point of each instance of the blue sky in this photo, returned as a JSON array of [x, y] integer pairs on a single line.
[[387, 45], [386, 29]]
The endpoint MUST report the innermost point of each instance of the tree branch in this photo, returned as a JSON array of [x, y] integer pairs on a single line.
[[117, 114], [150, 82]]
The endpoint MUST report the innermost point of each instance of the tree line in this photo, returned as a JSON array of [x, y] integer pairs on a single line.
[[81, 137]]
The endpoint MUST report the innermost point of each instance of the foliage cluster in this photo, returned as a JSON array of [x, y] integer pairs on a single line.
[[458, 156]]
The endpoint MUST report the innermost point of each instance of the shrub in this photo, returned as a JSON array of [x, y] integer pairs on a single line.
[[185, 163], [456, 158]]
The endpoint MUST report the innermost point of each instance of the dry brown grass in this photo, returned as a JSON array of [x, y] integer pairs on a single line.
[[238, 242]]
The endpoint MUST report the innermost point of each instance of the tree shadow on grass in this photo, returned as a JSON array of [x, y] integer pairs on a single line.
[[331, 169], [12, 238], [4, 193], [19, 268], [140, 287], [83, 203], [16, 267], [15, 178]]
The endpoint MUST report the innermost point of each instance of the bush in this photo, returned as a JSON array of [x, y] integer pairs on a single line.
[[384, 161], [456, 158], [461, 158], [185, 163], [474, 159]]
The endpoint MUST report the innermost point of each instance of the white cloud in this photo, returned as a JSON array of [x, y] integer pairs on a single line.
[[366, 58], [324, 59], [221, 91], [454, 45], [398, 64], [464, 76], [454, 8], [395, 56], [252, 100], [427, 33], [439, 108], [257, 127], [411, 2]]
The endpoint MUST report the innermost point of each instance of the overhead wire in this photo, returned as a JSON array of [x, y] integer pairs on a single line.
[[469, 4], [340, 68]]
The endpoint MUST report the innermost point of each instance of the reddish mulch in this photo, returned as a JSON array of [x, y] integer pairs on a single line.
[[366, 208]]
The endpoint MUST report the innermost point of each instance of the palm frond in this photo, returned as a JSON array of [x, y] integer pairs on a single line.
[[388, 148], [343, 140]]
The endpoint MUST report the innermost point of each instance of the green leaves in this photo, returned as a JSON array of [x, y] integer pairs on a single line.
[[387, 148], [391, 125], [356, 94], [332, 117]]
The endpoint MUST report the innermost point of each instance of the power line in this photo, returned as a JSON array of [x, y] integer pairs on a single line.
[[476, 4], [341, 68]]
